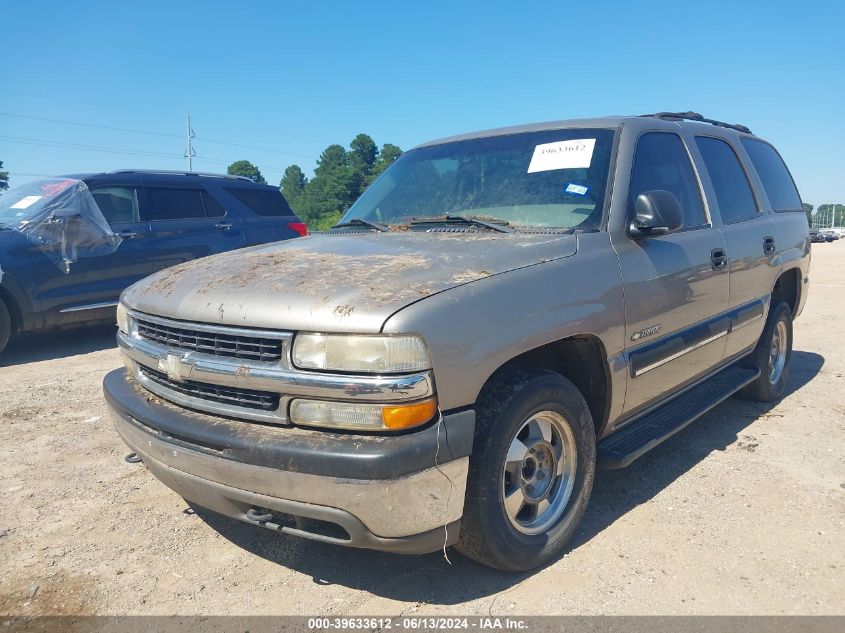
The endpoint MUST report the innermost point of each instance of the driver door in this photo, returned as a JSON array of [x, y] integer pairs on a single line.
[[91, 288], [675, 285]]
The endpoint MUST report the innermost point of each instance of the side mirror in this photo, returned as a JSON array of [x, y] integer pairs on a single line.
[[656, 212]]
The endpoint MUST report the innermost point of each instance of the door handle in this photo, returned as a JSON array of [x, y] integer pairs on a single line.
[[127, 235], [224, 226], [768, 245], [719, 259]]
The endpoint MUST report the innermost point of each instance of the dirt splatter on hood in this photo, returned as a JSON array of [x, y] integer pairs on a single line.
[[335, 282]]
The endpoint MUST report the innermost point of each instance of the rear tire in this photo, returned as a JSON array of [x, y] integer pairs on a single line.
[[772, 356], [531, 470], [5, 325]]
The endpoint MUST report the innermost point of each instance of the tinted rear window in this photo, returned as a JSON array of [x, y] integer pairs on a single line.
[[777, 181], [733, 193], [213, 209], [174, 204], [262, 201]]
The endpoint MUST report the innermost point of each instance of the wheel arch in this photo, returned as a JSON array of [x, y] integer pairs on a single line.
[[787, 288], [581, 359], [19, 304], [13, 308]]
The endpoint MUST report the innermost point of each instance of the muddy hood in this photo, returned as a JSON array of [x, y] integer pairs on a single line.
[[338, 283]]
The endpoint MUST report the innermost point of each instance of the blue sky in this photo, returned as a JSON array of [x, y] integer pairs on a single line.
[[291, 78]]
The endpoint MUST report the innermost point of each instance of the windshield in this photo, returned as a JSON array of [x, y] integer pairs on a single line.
[[553, 178], [22, 204]]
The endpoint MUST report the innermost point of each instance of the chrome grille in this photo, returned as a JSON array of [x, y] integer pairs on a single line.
[[208, 342], [247, 398]]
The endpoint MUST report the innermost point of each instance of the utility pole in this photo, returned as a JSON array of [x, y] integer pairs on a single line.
[[190, 153]]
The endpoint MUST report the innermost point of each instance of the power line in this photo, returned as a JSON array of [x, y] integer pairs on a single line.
[[219, 161], [113, 150], [150, 133], [21, 173], [91, 125], [101, 106], [90, 148], [253, 147]]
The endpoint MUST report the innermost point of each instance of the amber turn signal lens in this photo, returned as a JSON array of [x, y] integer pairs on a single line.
[[406, 416]]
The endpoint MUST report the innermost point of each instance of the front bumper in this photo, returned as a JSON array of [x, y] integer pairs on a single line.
[[377, 492]]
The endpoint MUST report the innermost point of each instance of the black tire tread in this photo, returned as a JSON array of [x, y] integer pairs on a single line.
[[502, 390], [761, 390]]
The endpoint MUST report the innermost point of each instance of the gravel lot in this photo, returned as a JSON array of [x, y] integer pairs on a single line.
[[742, 513]]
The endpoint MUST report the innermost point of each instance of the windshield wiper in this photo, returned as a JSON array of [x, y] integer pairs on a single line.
[[497, 225], [359, 222]]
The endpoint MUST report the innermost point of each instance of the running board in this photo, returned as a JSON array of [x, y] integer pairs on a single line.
[[636, 438]]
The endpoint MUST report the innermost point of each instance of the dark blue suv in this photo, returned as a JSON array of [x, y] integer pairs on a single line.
[[61, 267]]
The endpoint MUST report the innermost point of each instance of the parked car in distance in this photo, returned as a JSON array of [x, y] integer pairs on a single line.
[[160, 219], [485, 327], [829, 236]]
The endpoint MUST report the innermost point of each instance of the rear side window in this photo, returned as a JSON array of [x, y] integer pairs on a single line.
[[733, 193], [118, 204], [777, 181], [174, 204], [262, 201], [661, 162], [213, 209]]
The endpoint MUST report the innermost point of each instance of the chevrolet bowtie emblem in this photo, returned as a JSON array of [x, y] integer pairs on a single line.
[[173, 366]]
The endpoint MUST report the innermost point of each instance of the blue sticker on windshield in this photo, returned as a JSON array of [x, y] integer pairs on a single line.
[[578, 190]]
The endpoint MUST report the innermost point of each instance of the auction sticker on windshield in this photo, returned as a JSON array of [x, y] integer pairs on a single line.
[[26, 202], [578, 190], [562, 155]]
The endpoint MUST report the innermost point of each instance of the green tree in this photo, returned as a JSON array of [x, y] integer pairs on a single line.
[[386, 157], [333, 159], [293, 187], [823, 215], [4, 178], [363, 152], [362, 158], [331, 191], [339, 178], [246, 168]]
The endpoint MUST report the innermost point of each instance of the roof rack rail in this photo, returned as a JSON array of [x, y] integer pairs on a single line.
[[178, 173], [695, 116]]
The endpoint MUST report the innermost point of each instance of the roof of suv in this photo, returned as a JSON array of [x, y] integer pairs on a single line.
[[686, 119], [174, 177]]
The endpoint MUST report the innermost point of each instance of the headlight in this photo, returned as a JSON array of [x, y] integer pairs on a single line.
[[122, 318], [362, 417], [376, 354]]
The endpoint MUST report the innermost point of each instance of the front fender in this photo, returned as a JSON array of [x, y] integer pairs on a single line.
[[474, 329], [16, 276], [24, 315]]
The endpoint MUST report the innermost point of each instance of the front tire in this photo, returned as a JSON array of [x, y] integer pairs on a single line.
[[772, 356], [531, 471]]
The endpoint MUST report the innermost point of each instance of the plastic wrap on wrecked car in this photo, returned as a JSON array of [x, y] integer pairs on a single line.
[[61, 217]]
